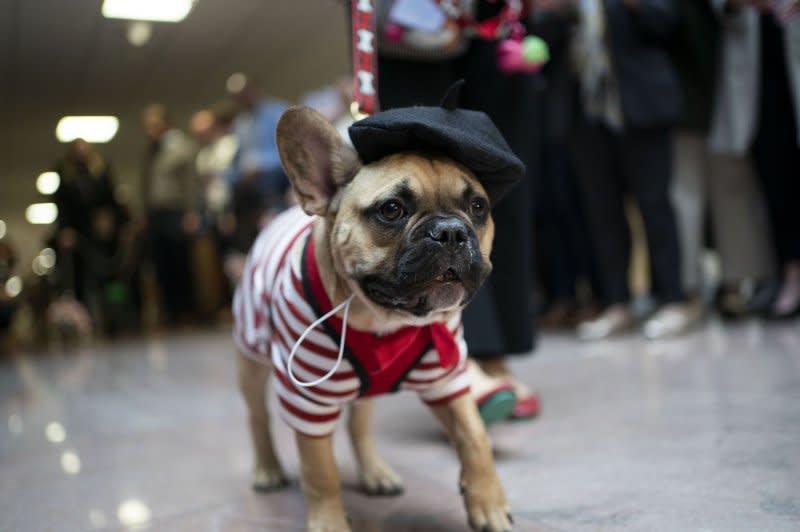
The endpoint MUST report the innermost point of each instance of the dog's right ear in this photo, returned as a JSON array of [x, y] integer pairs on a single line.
[[315, 157]]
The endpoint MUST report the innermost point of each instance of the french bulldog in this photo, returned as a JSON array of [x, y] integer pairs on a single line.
[[387, 252]]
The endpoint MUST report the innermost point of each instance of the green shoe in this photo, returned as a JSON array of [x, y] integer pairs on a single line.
[[497, 406]]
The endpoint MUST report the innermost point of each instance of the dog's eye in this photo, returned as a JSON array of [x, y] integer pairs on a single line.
[[391, 211], [478, 207]]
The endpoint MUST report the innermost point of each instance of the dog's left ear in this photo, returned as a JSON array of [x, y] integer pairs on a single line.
[[315, 157]]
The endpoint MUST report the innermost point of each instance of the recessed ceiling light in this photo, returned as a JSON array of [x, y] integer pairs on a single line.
[[41, 213], [96, 129], [48, 182], [155, 10]]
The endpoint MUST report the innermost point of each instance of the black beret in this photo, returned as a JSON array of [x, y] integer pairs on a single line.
[[468, 137]]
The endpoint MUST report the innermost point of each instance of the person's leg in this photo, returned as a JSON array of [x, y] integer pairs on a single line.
[[779, 168], [778, 160], [177, 268], [741, 232], [558, 254], [647, 160], [184, 266], [603, 195], [161, 252], [595, 155], [689, 197], [647, 157]]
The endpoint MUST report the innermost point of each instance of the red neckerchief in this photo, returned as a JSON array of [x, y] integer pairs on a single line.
[[386, 360]]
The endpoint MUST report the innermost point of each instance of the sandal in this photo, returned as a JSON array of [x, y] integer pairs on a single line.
[[497, 404], [527, 407]]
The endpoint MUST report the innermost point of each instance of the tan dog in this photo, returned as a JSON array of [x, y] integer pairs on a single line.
[[409, 236]]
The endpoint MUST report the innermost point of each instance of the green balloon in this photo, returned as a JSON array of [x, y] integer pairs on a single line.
[[535, 50]]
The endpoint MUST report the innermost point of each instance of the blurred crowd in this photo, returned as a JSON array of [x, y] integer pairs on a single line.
[[661, 139], [671, 129], [170, 258]]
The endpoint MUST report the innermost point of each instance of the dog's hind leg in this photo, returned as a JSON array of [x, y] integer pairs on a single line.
[[253, 376], [376, 476]]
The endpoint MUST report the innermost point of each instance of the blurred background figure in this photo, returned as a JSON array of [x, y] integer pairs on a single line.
[[8, 305], [217, 146], [89, 239], [255, 174], [769, 33], [170, 196], [629, 100], [564, 256], [333, 102], [717, 174], [211, 129]]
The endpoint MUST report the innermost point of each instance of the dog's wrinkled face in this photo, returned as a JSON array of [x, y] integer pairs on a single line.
[[414, 232], [411, 233]]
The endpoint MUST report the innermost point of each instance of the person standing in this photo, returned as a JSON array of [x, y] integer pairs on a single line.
[[89, 222], [257, 180], [630, 100], [777, 141], [757, 110], [719, 176], [170, 198], [564, 255]]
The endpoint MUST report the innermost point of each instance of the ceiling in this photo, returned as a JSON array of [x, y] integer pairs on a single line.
[[61, 57]]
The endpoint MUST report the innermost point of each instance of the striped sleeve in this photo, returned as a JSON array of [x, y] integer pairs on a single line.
[[251, 302]]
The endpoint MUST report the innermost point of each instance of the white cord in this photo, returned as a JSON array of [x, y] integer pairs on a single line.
[[295, 380]]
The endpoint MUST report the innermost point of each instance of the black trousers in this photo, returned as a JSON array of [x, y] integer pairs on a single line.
[[777, 155], [564, 253], [169, 248], [610, 167]]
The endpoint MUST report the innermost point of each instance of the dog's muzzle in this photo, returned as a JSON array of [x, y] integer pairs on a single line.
[[440, 266]]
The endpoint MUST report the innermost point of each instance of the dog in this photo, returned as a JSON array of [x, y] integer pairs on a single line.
[[358, 292]]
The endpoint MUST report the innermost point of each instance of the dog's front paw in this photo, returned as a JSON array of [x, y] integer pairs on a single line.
[[327, 518], [269, 478], [378, 478], [319, 526], [486, 506]]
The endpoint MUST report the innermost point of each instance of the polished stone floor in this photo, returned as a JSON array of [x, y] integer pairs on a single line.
[[696, 434]]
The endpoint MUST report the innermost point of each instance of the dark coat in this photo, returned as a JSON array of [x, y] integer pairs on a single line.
[[695, 53], [638, 39]]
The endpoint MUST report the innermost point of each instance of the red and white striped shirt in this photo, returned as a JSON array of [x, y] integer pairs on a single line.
[[277, 300]]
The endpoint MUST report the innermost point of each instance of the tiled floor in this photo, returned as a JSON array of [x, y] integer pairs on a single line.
[[700, 433]]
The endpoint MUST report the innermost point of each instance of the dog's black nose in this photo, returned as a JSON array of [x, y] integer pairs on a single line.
[[449, 231]]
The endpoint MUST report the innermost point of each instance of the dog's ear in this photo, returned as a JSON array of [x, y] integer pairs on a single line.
[[315, 157]]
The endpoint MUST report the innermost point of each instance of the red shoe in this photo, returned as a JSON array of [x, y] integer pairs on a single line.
[[527, 407]]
